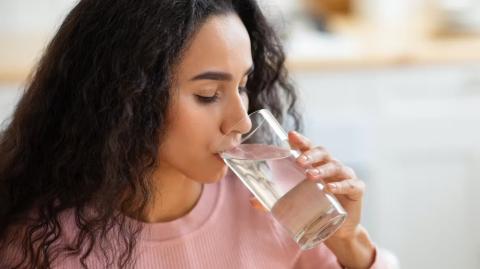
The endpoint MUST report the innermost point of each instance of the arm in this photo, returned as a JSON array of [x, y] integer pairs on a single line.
[[355, 252]]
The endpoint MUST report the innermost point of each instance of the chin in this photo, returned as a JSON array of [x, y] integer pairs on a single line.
[[214, 176]]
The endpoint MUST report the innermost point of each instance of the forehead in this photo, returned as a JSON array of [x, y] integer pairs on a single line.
[[221, 43]]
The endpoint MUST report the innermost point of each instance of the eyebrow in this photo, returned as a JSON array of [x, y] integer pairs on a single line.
[[215, 75]]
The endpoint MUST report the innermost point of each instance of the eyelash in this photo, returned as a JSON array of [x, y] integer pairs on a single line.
[[214, 98]]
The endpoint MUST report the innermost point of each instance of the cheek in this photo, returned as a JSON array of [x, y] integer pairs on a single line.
[[188, 147], [194, 161], [202, 166]]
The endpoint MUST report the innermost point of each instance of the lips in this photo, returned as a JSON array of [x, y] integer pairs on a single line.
[[229, 146], [227, 143]]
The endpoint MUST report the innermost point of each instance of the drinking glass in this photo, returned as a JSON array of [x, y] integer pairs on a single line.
[[265, 163]]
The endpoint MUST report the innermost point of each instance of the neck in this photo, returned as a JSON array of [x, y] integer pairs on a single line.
[[175, 196]]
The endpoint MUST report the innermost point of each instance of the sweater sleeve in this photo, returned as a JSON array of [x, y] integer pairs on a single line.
[[322, 258], [384, 259], [319, 257]]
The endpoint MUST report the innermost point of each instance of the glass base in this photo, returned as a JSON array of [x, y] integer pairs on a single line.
[[318, 231]]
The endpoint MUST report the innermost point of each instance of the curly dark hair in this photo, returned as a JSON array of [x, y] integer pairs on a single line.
[[84, 136]]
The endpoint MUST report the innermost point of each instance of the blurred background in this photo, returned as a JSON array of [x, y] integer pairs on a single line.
[[391, 87]]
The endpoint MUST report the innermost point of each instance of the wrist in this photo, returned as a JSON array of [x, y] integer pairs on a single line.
[[354, 252]]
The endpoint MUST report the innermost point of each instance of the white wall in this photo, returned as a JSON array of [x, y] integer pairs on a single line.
[[27, 17], [413, 134]]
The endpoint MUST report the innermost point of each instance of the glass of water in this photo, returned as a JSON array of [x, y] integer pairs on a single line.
[[266, 165]]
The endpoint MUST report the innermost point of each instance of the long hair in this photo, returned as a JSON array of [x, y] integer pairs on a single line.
[[84, 136]]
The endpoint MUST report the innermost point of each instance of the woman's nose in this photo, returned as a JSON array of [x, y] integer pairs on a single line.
[[237, 120], [244, 125]]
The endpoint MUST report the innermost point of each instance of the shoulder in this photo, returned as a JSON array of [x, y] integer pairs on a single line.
[[26, 237]]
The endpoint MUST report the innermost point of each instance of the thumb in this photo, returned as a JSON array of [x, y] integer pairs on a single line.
[[298, 141]]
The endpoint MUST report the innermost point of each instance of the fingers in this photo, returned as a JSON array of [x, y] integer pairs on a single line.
[[321, 166], [333, 169], [314, 156], [310, 155], [298, 141], [351, 188]]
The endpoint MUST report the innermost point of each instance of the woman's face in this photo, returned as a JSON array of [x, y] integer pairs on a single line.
[[209, 99]]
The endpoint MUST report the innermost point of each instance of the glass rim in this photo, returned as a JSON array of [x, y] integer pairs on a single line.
[[267, 116]]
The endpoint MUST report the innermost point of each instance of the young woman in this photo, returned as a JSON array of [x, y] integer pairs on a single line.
[[109, 160]]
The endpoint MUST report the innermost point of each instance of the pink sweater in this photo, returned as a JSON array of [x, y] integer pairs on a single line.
[[223, 231]]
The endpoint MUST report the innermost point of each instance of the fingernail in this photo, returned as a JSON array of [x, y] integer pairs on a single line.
[[304, 158], [313, 172], [332, 186]]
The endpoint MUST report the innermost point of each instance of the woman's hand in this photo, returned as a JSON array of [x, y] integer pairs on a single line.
[[350, 243], [341, 180]]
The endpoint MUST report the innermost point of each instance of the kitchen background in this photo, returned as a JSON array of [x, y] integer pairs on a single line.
[[391, 87]]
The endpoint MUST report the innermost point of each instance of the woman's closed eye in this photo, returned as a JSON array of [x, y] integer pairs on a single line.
[[206, 99]]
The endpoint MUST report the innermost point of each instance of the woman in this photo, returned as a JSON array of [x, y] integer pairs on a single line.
[[109, 160]]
